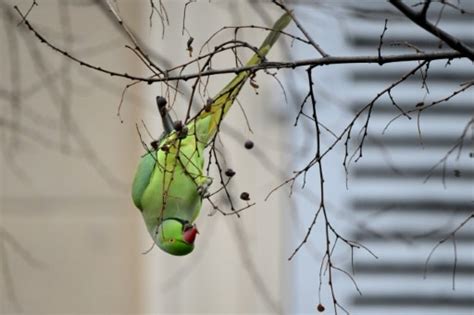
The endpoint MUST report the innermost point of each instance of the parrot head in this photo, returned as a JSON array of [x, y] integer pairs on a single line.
[[176, 236]]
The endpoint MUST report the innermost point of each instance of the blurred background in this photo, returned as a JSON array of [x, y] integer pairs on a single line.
[[71, 241]]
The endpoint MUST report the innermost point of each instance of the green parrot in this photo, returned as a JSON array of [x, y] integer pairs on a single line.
[[170, 182]]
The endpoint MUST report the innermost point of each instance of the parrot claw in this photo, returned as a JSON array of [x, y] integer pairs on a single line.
[[203, 189]]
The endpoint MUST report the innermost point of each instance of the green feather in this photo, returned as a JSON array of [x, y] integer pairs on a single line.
[[142, 178]]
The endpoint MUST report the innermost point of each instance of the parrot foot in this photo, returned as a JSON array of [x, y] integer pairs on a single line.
[[203, 189]]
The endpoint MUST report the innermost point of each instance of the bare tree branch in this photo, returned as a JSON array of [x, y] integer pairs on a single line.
[[420, 19], [265, 65]]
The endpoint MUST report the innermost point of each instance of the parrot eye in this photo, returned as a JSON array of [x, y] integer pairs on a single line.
[[171, 240]]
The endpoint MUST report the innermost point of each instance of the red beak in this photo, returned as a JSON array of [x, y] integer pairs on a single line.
[[189, 235]]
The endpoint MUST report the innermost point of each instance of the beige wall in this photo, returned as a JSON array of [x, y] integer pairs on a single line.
[[71, 240], [70, 236]]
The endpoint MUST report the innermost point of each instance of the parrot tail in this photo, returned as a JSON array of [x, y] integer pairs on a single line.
[[221, 104]]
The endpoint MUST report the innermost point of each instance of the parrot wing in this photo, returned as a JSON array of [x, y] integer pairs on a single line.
[[142, 178]]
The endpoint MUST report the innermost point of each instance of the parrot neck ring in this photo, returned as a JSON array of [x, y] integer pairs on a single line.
[[182, 221]]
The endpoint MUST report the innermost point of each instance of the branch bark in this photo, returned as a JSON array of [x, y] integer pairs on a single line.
[[420, 20], [332, 60]]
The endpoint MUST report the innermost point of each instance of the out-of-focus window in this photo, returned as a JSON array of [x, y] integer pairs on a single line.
[[397, 203]]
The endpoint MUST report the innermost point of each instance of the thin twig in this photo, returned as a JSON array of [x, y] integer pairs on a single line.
[[301, 28]]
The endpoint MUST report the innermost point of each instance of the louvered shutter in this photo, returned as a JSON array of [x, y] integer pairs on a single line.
[[389, 207]]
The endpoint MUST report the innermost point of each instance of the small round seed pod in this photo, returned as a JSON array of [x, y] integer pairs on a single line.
[[178, 125], [245, 196], [229, 172], [248, 144], [321, 308]]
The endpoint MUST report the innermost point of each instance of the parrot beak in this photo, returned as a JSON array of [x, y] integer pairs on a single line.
[[189, 234]]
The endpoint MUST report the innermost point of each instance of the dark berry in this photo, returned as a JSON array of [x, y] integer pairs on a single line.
[[321, 308], [183, 133], [154, 144], [248, 144], [245, 196], [229, 172], [178, 125]]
